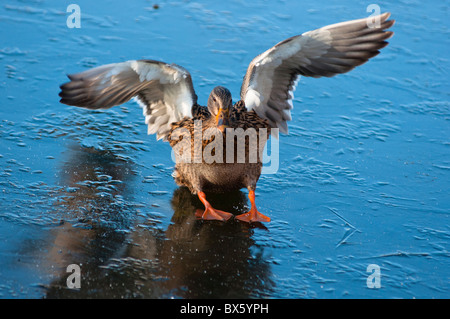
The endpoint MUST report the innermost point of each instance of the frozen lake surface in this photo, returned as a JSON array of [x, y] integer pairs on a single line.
[[364, 174]]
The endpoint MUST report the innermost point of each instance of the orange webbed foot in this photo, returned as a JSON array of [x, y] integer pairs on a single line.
[[211, 213], [253, 215]]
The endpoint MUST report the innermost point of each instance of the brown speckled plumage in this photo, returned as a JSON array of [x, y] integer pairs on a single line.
[[219, 177]]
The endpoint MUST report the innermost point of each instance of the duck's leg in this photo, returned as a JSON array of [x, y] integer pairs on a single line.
[[210, 213], [253, 215]]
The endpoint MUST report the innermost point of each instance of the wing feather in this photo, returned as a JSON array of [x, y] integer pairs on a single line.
[[271, 77], [165, 91]]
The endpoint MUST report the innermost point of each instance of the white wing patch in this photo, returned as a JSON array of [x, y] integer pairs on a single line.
[[252, 99]]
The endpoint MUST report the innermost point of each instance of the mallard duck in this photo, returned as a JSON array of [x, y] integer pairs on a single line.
[[167, 96]]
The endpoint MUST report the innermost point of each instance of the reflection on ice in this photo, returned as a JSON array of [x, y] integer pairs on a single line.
[[121, 256]]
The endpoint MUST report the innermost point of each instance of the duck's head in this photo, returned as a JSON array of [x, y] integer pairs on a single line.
[[219, 105]]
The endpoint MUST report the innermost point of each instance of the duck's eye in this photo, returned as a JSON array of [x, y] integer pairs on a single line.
[[214, 99]]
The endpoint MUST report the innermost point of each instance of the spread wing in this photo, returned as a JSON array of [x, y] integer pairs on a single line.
[[165, 91], [271, 77]]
